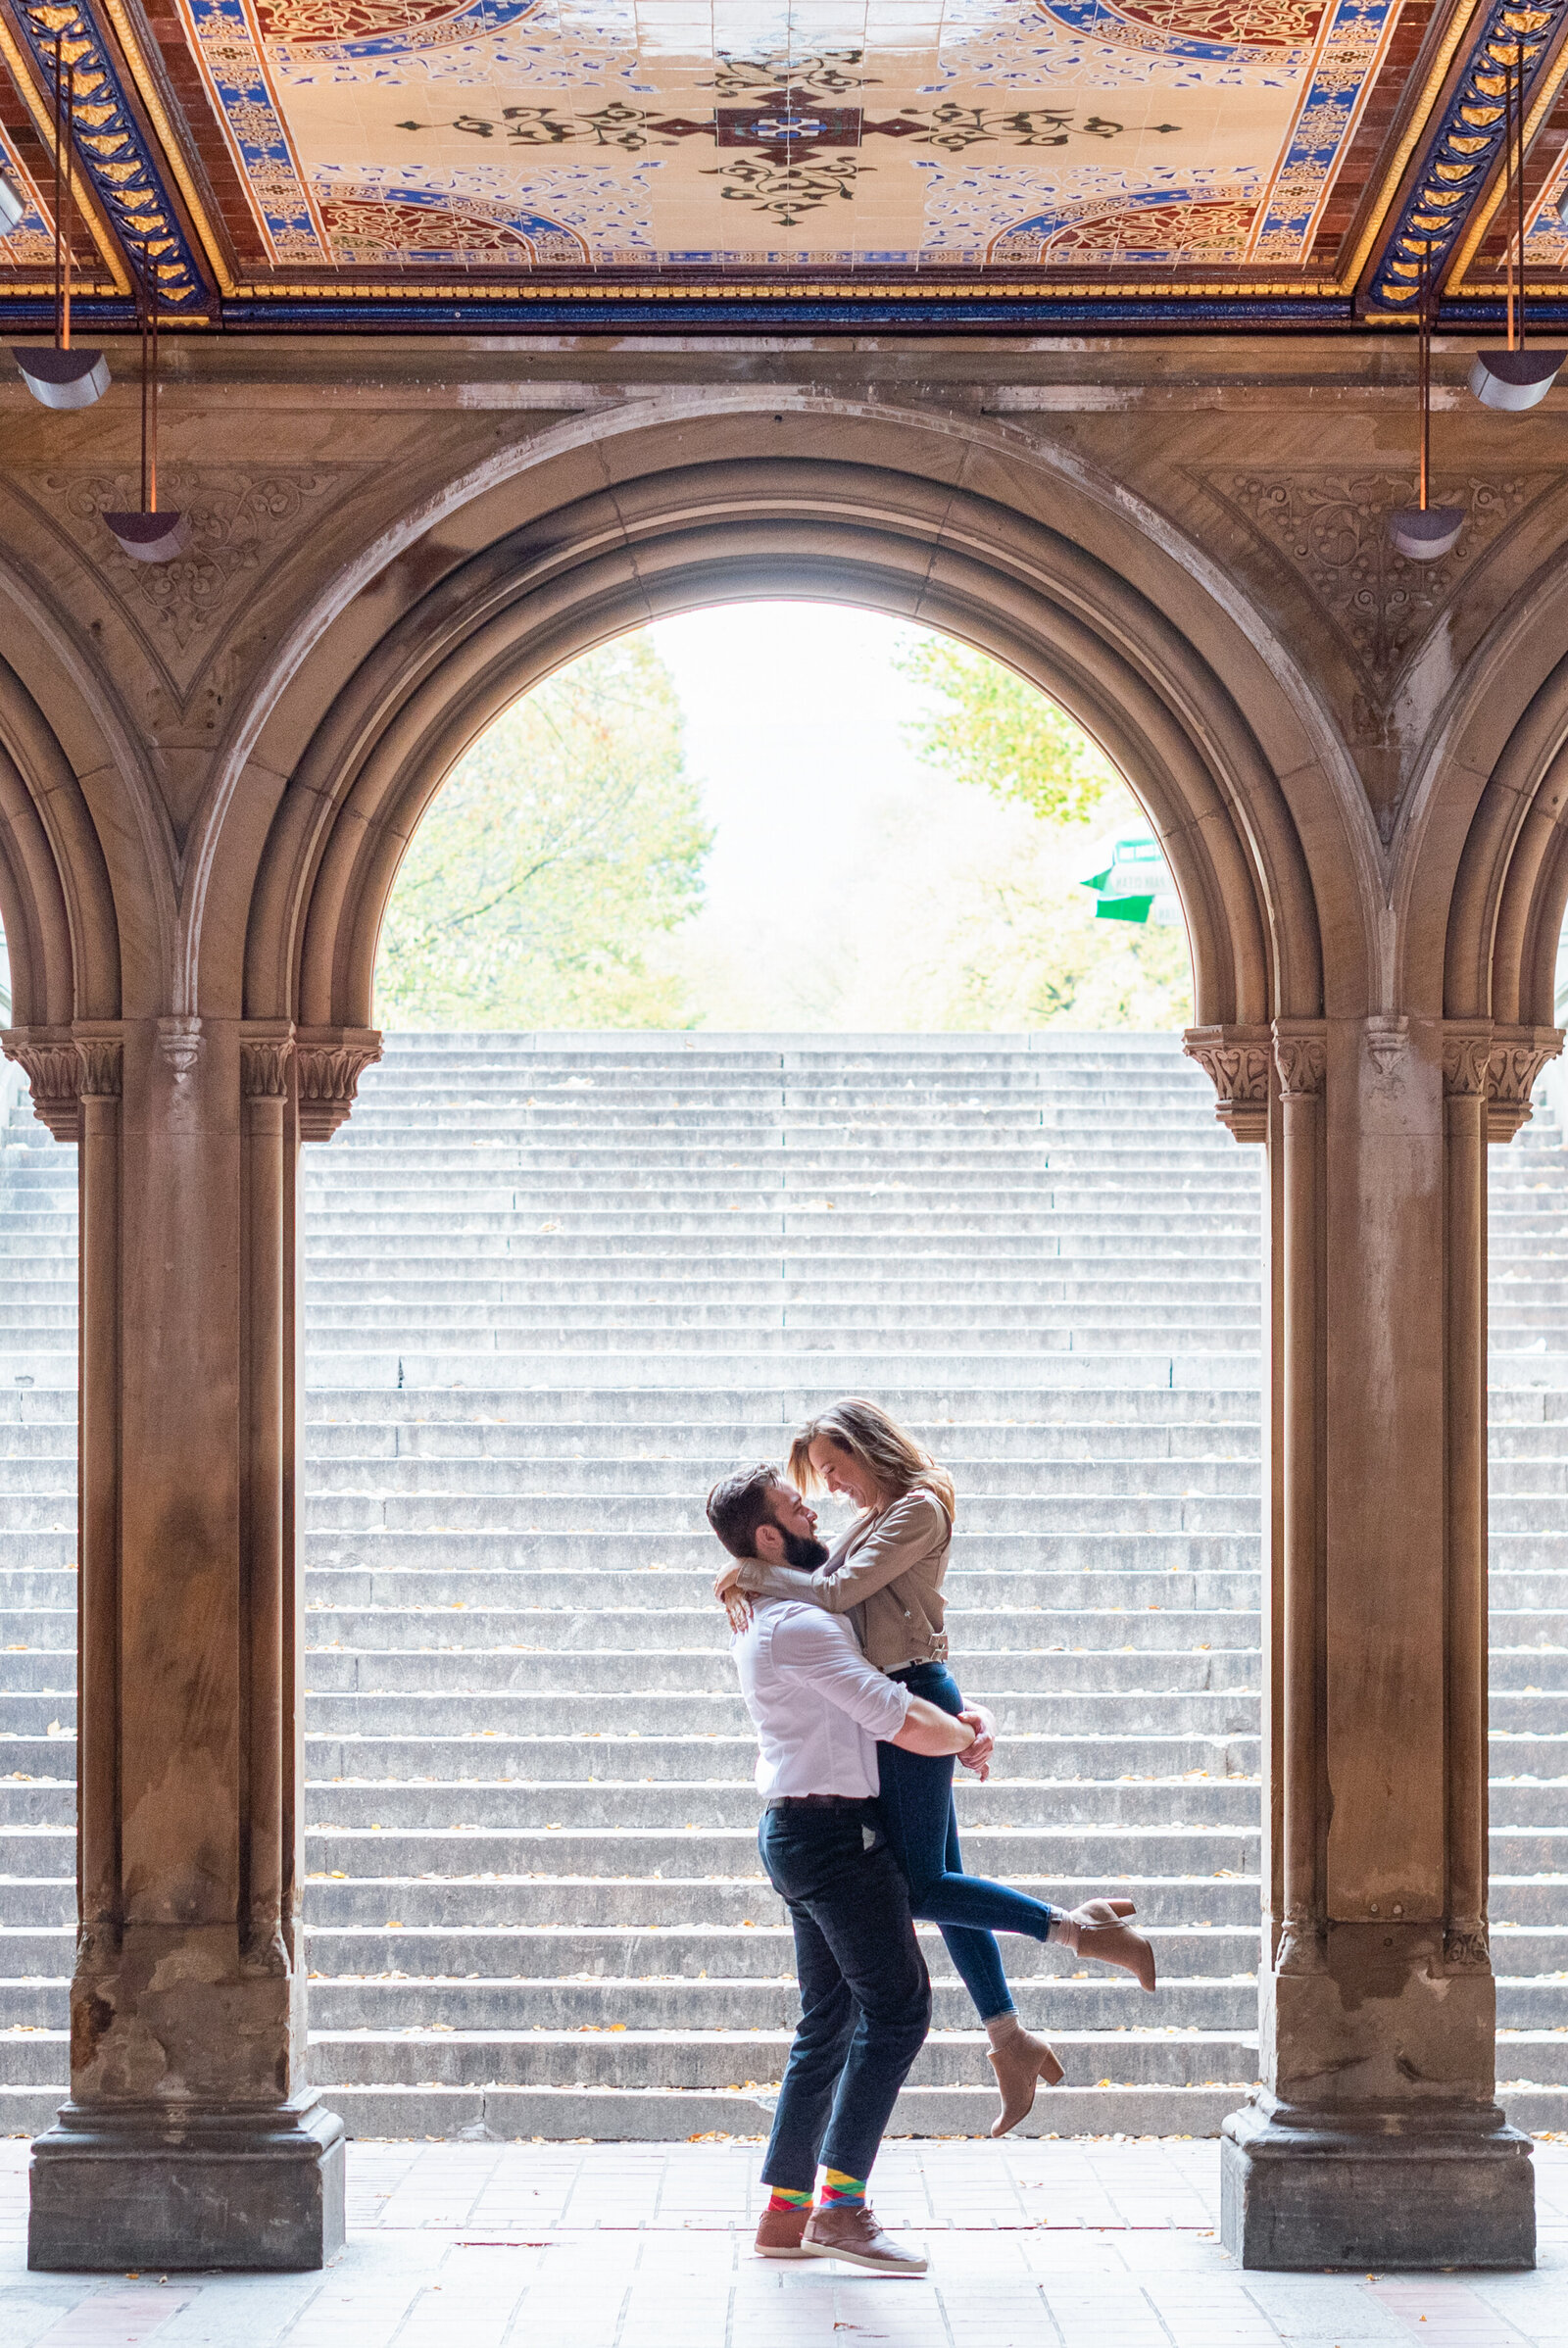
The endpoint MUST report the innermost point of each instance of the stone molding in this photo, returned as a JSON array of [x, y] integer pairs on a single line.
[[102, 1066], [330, 1060], [1237, 1062], [1500, 1065], [1466, 1060], [179, 1040], [1300, 1054], [1387, 1034], [51, 1065], [1518, 1055], [263, 1062], [1301, 1948], [1467, 1945], [1330, 525]]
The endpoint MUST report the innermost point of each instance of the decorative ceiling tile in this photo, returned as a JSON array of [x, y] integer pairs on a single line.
[[332, 162]]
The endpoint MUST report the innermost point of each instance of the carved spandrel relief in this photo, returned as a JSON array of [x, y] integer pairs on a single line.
[[1332, 527], [242, 525]]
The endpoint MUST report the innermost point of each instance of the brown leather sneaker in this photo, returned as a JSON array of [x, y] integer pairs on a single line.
[[851, 2234], [779, 2231]]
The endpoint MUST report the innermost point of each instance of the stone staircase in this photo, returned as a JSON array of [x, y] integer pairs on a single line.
[[556, 1286]]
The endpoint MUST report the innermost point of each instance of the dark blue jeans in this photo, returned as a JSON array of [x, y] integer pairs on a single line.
[[922, 1827], [865, 1996]]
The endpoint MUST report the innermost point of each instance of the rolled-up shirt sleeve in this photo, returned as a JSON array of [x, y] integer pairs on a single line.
[[814, 1645]]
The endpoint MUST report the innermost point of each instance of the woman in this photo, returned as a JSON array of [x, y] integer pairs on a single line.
[[890, 1568]]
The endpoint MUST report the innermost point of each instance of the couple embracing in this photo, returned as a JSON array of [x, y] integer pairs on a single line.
[[842, 1658]]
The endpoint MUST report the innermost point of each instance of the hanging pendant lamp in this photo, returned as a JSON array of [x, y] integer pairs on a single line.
[[12, 204], [149, 536], [1515, 378], [1423, 533], [56, 375]]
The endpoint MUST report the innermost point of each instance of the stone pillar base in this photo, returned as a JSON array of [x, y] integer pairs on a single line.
[[1303, 2190], [143, 2185]]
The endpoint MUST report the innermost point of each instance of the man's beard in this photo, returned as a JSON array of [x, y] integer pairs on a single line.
[[803, 1553]]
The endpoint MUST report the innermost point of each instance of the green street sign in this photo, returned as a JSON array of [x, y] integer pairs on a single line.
[[1132, 881]]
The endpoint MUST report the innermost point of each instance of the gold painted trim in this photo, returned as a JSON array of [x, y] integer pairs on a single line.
[[945, 291], [20, 67], [1486, 211], [147, 92], [1420, 128]]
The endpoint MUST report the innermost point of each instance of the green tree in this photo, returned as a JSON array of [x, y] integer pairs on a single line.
[[1001, 732], [1019, 941], [566, 841]]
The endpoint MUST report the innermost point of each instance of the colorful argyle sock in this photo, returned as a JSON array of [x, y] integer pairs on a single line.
[[840, 2191], [784, 2199]]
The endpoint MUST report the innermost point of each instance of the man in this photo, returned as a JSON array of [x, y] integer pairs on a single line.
[[819, 1709]]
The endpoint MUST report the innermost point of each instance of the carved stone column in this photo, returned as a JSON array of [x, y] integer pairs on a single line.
[[1299, 1050], [191, 2138], [1466, 1071], [1375, 2140]]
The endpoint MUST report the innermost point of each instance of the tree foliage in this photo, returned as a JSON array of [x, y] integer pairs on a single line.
[[1015, 935], [562, 846], [1001, 732]]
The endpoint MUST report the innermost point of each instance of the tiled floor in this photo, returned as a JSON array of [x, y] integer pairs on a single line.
[[1077, 2244]]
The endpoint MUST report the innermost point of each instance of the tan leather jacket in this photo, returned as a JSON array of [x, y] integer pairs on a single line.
[[887, 1572]]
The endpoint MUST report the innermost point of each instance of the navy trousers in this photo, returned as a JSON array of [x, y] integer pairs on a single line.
[[865, 1996]]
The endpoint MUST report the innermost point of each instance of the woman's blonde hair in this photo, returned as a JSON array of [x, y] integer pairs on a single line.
[[893, 1460]]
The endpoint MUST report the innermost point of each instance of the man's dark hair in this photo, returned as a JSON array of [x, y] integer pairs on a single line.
[[741, 1501]]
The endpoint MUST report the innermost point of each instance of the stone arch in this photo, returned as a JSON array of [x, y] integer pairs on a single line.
[[56, 899], [1511, 885], [699, 535]]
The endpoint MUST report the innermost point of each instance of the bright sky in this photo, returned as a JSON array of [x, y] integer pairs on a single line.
[[794, 717]]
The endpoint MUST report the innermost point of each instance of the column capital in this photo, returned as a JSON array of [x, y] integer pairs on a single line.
[[1300, 1054], [266, 1047], [1466, 1054], [330, 1060], [1235, 1060], [1518, 1055], [49, 1059], [101, 1049]]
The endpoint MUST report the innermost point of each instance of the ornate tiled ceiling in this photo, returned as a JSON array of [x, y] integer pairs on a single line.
[[953, 163]]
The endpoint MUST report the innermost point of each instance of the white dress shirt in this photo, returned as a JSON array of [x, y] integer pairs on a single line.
[[818, 1706]]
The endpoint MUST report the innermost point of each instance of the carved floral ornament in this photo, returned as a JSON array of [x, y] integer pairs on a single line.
[[330, 1060], [65, 1066], [1301, 1058], [264, 1065], [1500, 1065], [1235, 1060]]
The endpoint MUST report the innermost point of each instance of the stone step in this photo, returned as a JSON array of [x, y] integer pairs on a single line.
[[747, 1938], [430, 2002], [664, 1832], [429, 1736], [628, 1483], [1183, 1690], [1048, 1520], [835, 1373], [528, 1772], [378, 1622], [616, 2058]]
